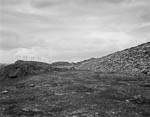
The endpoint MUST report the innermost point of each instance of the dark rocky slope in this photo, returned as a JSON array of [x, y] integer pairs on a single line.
[[132, 60]]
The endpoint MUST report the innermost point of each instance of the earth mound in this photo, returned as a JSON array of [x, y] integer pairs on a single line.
[[24, 68]]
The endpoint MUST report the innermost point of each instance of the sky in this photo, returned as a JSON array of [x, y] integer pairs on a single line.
[[71, 30]]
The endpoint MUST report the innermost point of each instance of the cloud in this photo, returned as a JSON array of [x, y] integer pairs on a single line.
[[12, 40], [72, 29], [9, 40], [11, 2]]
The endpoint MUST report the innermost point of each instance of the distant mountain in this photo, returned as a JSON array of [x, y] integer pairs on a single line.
[[132, 60]]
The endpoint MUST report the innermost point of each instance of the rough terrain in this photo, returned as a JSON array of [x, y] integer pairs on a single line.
[[117, 85], [131, 61], [75, 94]]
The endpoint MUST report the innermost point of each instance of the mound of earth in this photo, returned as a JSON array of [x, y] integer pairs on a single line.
[[134, 60], [24, 68]]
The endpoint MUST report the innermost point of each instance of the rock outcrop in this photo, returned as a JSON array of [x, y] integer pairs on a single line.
[[130, 61], [24, 68]]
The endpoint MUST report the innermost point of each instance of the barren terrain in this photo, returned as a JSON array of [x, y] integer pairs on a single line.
[[75, 93]]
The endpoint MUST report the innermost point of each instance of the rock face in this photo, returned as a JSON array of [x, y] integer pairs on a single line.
[[24, 68], [132, 60]]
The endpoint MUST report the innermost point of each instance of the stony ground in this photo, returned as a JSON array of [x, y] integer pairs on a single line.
[[76, 94], [132, 61]]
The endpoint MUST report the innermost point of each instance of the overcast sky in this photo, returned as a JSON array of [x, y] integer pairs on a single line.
[[71, 30]]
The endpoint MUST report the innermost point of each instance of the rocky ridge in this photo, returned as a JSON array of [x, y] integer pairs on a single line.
[[132, 60]]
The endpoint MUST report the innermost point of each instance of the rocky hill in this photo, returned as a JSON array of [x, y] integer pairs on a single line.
[[23, 68], [26, 68], [132, 60]]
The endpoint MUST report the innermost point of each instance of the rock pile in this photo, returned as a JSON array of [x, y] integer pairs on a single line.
[[132, 60]]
